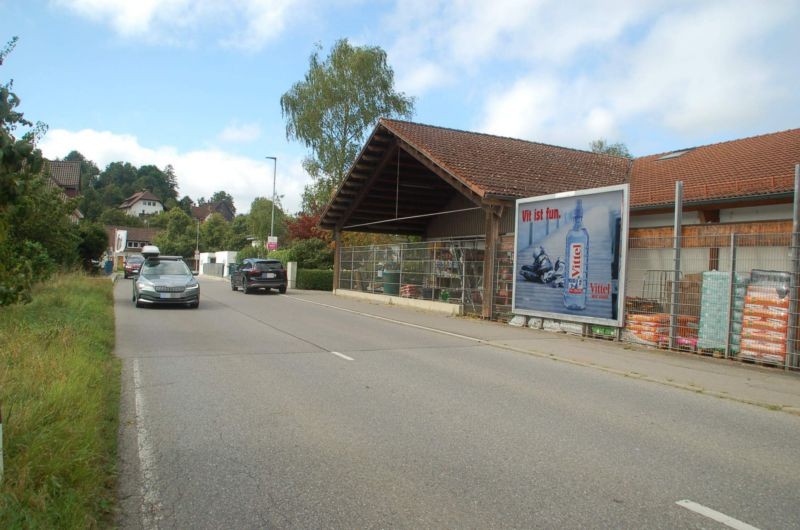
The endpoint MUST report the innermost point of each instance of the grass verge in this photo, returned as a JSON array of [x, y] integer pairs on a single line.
[[59, 389]]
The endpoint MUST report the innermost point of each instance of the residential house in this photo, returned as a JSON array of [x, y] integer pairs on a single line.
[[202, 213], [65, 177], [142, 203]]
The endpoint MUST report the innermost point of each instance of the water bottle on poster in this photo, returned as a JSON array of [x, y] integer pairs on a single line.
[[577, 252]]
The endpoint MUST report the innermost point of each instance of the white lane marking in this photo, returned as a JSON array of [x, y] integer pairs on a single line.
[[343, 356], [151, 506], [393, 321], [715, 515]]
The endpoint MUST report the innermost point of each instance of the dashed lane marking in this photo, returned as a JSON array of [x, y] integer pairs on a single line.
[[719, 517]]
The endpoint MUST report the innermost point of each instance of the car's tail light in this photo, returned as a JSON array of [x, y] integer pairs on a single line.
[[253, 273]]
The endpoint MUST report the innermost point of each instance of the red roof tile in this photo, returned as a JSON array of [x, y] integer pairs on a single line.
[[138, 196], [749, 167], [65, 173], [507, 167]]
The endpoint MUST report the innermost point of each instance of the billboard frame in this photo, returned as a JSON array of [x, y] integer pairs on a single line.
[[623, 256]]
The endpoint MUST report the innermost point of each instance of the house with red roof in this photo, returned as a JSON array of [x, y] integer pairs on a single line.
[[142, 203]]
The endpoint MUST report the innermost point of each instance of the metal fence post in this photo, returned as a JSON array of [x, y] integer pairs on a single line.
[[374, 269], [791, 355], [352, 266], [676, 273], [731, 297], [402, 266]]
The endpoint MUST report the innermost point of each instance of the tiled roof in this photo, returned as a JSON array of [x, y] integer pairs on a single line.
[[66, 174], [134, 233], [204, 211], [139, 196], [749, 167], [507, 167]]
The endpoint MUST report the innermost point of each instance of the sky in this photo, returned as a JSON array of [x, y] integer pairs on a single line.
[[197, 83]]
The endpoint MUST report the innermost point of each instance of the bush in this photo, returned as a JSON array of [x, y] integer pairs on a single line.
[[22, 265], [312, 254], [315, 280]]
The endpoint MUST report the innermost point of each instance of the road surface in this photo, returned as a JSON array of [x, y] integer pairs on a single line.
[[281, 411]]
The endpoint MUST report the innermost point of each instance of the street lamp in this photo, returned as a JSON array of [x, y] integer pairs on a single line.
[[274, 173]]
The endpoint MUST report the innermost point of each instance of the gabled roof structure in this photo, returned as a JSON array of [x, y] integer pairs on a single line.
[[138, 196], [749, 168], [65, 174], [206, 210], [408, 171]]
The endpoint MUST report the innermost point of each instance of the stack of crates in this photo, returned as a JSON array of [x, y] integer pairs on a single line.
[[712, 332]]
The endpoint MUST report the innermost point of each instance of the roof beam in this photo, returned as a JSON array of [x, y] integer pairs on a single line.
[[367, 185]]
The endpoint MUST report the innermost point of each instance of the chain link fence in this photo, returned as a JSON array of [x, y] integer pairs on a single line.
[[728, 296], [448, 271]]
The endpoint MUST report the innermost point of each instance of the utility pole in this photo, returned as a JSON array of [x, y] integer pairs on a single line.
[[274, 173], [272, 222]]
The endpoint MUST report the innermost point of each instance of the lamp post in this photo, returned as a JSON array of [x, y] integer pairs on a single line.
[[197, 248], [274, 173]]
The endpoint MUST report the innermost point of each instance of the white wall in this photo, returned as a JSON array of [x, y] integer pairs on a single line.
[[139, 208], [771, 212]]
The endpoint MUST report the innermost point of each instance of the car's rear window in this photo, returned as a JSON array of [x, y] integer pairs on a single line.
[[165, 267], [135, 259], [268, 265]]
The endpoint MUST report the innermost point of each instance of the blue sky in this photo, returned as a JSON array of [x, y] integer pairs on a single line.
[[197, 83]]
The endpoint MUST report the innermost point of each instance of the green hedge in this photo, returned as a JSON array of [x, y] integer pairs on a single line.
[[315, 280]]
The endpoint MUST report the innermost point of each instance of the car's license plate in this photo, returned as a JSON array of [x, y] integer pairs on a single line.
[[171, 295], [268, 275]]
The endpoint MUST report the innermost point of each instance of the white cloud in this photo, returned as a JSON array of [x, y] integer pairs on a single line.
[[242, 24], [699, 69], [240, 133], [200, 173], [704, 69]]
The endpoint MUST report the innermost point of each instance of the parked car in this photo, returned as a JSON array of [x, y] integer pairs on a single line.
[[132, 265], [165, 280], [257, 273]]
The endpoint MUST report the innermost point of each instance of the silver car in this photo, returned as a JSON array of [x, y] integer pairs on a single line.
[[166, 280]]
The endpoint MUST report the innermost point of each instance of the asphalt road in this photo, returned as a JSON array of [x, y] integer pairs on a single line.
[[273, 411]]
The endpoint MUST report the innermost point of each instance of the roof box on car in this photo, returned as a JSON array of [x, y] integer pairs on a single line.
[[150, 251]]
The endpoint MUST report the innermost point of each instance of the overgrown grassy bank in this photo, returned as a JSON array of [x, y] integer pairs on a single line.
[[59, 389]]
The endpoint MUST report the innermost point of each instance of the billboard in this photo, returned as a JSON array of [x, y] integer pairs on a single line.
[[120, 240], [569, 255]]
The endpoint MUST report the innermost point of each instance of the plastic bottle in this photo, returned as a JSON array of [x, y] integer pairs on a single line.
[[577, 252]]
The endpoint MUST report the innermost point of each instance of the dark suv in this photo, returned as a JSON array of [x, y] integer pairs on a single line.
[[257, 273]]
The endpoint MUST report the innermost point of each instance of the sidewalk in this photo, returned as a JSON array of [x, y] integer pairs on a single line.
[[767, 387]]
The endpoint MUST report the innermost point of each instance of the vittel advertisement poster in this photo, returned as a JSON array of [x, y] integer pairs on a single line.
[[569, 255]]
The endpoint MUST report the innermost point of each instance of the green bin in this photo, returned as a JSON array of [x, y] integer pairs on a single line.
[[391, 283]]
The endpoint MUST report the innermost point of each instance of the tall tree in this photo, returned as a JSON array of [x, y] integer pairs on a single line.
[[215, 233], [89, 170], [180, 237], [616, 149], [259, 219], [240, 230], [23, 259], [334, 106], [223, 196]]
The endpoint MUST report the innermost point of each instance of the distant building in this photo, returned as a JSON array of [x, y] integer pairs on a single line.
[[135, 238], [64, 177], [64, 174], [142, 203], [202, 213]]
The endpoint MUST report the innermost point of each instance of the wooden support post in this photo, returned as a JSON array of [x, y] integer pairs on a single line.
[[337, 257], [489, 260]]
